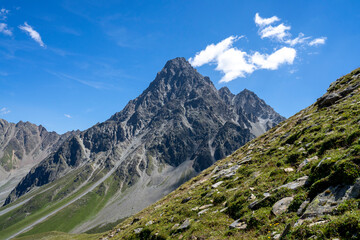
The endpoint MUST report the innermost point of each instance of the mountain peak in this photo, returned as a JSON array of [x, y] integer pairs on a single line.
[[177, 63]]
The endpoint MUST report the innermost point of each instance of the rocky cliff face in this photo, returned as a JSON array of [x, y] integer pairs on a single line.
[[180, 125], [22, 146]]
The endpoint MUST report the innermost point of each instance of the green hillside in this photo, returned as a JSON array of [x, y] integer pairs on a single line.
[[299, 180], [312, 157]]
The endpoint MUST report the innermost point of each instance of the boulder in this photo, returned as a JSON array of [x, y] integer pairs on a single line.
[[282, 205], [327, 201], [328, 100], [295, 184]]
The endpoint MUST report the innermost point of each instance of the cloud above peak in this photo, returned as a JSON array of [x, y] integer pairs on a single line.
[[274, 60], [236, 63], [32, 33], [212, 51]]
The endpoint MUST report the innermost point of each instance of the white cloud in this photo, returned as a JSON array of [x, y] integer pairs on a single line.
[[298, 40], [265, 21], [279, 32], [212, 51], [32, 33], [4, 111], [3, 13], [318, 41], [67, 115], [4, 29], [234, 63], [274, 60]]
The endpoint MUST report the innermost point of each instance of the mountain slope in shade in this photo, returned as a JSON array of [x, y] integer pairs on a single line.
[[177, 127], [22, 146], [299, 180]]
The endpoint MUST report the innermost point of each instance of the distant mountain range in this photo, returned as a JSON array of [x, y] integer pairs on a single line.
[[180, 125], [22, 146]]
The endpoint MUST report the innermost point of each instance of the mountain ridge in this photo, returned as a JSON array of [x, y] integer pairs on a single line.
[[178, 126], [22, 146]]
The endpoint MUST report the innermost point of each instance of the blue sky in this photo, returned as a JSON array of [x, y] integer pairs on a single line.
[[70, 64]]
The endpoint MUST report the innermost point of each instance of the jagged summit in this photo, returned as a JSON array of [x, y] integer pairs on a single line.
[[179, 63]]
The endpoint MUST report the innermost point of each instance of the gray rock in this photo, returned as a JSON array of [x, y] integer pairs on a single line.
[[327, 201], [226, 173], [318, 223], [149, 223], [223, 210], [203, 211], [302, 207], [295, 184], [282, 205], [305, 162], [138, 230], [328, 100], [184, 225], [238, 224], [252, 197], [288, 170], [205, 206], [216, 185], [331, 98], [277, 236], [266, 194]]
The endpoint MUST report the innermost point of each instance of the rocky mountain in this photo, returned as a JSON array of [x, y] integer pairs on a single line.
[[22, 146], [180, 125], [299, 180]]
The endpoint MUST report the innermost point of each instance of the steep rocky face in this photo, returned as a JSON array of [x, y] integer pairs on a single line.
[[180, 125], [22, 146]]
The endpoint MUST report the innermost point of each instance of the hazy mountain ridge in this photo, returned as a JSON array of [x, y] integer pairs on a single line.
[[22, 146]]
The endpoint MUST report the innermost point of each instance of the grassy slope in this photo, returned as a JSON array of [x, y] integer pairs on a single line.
[[41, 204], [332, 132]]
